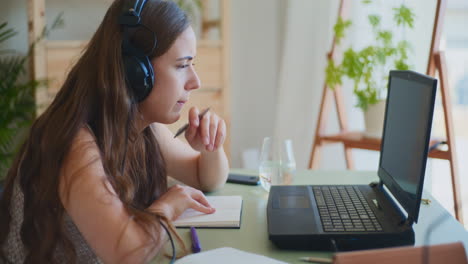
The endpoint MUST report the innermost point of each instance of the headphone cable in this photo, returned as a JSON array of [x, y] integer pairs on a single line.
[[172, 243]]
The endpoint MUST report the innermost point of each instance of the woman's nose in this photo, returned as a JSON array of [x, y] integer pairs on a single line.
[[194, 82]]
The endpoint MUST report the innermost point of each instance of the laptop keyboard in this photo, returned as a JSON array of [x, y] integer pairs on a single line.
[[344, 209]]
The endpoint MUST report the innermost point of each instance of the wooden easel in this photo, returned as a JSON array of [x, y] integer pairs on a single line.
[[351, 140]]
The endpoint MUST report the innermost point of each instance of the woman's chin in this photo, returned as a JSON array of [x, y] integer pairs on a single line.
[[171, 119]]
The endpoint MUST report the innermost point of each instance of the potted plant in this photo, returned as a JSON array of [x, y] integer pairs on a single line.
[[368, 67], [17, 101]]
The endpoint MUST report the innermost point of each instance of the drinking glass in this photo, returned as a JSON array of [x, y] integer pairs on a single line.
[[277, 163]]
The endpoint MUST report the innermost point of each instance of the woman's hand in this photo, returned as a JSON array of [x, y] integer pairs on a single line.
[[178, 199], [207, 133]]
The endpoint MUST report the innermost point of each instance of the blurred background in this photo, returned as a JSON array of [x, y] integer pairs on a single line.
[[262, 66]]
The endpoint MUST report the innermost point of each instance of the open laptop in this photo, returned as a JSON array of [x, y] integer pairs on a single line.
[[349, 217]]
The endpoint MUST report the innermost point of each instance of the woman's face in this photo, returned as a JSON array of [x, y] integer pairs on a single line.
[[175, 78]]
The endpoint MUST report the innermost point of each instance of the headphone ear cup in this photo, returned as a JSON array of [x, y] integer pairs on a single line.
[[139, 75]]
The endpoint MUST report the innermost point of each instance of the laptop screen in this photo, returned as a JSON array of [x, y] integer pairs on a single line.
[[407, 128]]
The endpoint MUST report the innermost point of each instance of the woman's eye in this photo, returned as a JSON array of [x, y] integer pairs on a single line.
[[185, 65]]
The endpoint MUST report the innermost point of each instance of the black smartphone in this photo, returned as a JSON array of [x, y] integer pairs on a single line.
[[243, 179]]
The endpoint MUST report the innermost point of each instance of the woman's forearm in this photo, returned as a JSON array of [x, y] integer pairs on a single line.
[[213, 169]]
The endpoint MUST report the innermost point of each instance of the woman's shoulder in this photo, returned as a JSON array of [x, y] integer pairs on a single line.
[[84, 138], [84, 134], [83, 150]]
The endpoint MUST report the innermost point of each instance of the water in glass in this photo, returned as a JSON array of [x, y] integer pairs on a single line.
[[277, 163]]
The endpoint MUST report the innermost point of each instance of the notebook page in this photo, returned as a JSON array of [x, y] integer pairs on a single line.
[[226, 255], [228, 212]]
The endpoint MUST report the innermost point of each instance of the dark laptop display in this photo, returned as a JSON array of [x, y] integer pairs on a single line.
[[406, 135], [351, 217]]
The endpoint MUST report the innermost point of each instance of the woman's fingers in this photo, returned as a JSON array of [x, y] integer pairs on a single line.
[[199, 201], [204, 127], [202, 208], [207, 133], [213, 128], [194, 123], [201, 198], [221, 134]]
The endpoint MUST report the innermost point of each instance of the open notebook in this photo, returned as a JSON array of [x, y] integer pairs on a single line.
[[227, 215]]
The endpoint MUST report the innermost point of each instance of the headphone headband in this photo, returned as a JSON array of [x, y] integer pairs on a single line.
[[131, 13]]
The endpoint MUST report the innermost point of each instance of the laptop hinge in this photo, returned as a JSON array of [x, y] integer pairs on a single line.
[[408, 222], [376, 184]]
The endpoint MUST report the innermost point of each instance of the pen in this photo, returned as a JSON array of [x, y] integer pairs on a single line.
[[316, 260], [196, 247], [184, 127]]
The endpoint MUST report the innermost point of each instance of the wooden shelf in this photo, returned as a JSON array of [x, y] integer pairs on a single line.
[[358, 140]]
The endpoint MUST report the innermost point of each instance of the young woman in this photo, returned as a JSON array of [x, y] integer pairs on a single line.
[[90, 183]]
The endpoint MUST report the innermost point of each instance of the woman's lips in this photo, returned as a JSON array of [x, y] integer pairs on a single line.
[[180, 104]]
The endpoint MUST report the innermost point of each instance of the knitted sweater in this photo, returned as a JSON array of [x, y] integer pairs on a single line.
[[14, 248]]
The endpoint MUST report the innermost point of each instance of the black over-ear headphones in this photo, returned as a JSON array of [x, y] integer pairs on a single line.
[[139, 73]]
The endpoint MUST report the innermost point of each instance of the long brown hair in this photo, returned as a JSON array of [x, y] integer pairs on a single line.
[[95, 95]]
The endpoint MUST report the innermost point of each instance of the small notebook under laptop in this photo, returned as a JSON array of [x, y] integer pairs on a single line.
[[349, 217]]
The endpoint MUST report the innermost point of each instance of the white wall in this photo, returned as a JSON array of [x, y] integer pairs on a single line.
[[15, 13], [81, 17], [308, 36], [255, 59]]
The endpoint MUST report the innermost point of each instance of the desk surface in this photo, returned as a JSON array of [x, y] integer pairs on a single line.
[[253, 236]]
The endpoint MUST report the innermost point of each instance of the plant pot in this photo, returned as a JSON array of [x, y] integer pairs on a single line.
[[374, 119]]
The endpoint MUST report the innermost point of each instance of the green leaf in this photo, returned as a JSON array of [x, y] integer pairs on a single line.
[[403, 47], [340, 28], [366, 2], [367, 56], [58, 22], [368, 67], [17, 102], [385, 36], [352, 64], [333, 75], [374, 20], [404, 16], [361, 100], [401, 65], [367, 96], [6, 33], [381, 56]]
